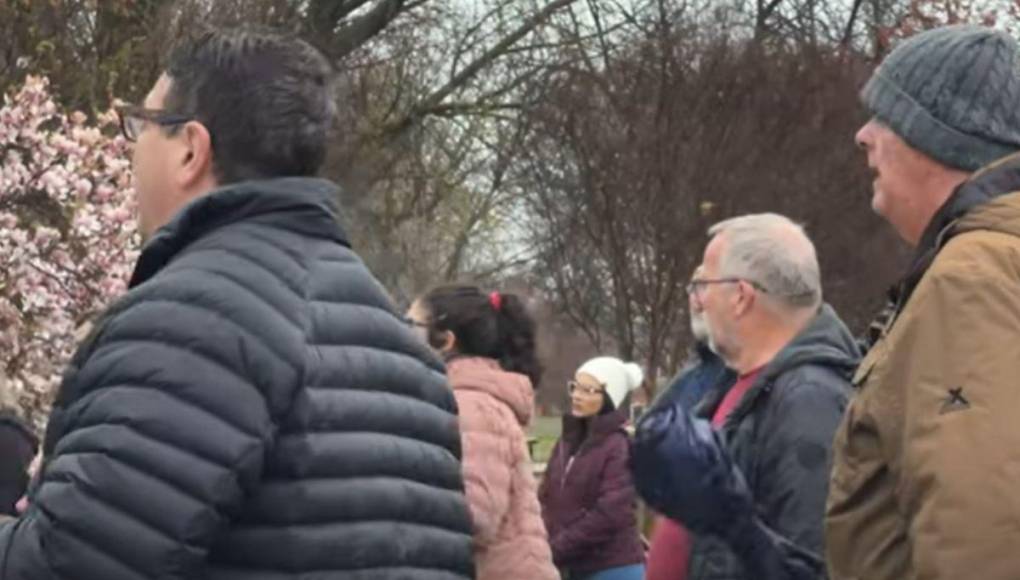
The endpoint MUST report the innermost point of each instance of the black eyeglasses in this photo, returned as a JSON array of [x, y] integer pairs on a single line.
[[695, 287], [133, 120]]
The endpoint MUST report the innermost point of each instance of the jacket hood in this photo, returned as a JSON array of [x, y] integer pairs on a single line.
[[486, 376], [826, 341]]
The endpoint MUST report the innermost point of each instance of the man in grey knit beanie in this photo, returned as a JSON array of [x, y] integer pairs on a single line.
[[925, 464]]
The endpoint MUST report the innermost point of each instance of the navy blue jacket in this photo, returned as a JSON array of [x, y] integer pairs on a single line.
[[705, 373]]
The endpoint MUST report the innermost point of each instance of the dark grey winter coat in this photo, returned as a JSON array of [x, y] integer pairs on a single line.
[[252, 409], [780, 436]]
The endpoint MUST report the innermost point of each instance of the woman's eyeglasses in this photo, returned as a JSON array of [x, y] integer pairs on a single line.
[[590, 391], [414, 323]]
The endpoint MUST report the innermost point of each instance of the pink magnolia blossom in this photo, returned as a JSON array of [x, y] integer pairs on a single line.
[[67, 237]]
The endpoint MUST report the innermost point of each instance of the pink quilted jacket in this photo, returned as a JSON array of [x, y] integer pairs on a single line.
[[495, 406]]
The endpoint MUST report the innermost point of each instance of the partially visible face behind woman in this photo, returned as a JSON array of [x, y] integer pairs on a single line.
[[418, 318]]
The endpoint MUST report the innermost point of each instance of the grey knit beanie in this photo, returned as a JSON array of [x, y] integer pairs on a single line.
[[952, 93]]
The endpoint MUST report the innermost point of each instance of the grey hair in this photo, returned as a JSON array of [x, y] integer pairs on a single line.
[[774, 253]]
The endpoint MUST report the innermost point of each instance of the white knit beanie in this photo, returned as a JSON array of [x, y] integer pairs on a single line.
[[620, 378]]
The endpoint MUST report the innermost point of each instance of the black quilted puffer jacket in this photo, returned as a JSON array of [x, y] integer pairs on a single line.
[[251, 409]]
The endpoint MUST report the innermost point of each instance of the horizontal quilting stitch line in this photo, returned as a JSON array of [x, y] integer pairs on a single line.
[[374, 389], [280, 574], [82, 537], [170, 394], [336, 432], [384, 316], [376, 350], [247, 288], [110, 348], [370, 307], [241, 255], [402, 397], [377, 482], [112, 332], [350, 259], [370, 388], [255, 231], [127, 381], [190, 453], [357, 523], [276, 481], [64, 477], [375, 434], [78, 537]]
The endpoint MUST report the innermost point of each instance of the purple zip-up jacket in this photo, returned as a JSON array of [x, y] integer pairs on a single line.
[[588, 499]]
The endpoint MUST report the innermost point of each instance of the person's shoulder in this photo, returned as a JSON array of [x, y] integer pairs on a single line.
[[981, 253], [812, 384], [965, 271]]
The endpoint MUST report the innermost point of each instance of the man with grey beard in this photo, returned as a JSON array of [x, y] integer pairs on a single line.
[[703, 372], [747, 470]]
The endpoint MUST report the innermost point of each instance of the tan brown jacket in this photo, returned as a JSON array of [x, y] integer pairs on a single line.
[[926, 475]]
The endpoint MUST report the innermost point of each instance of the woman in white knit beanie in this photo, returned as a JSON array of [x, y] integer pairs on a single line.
[[587, 496]]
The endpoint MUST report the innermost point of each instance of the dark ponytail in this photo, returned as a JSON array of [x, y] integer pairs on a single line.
[[493, 325]]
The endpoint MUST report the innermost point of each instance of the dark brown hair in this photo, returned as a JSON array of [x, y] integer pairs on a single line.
[[494, 325]]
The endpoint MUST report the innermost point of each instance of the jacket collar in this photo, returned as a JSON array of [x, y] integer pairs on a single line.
[[591, 430], [987, 187], [825, 341], [485, 375], [301, 204]]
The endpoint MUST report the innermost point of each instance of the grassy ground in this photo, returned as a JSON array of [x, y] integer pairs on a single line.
[[547, 431]]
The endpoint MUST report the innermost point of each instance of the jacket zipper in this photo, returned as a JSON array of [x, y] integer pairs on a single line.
[[566, 472]]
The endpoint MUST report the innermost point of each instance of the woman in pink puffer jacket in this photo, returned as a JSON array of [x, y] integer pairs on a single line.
[[489, 345]]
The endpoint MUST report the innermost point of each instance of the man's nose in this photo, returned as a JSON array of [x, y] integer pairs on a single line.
[[863, 137]]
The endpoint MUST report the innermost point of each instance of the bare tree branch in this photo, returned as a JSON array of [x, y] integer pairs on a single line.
[[355, 33], [473, 68], [849, 30], [765, 12]]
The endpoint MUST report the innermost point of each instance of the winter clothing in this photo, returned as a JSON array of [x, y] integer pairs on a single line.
[[252, 408], [952, 94], [588, 498], [716, 497], [924, 477], [669, 553], [757, 507], [618, 377], [495, 407], [703, 372], [632, 572], [18, 446]]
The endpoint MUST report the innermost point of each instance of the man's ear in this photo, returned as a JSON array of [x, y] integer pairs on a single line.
[[745, 298], [196, 156]]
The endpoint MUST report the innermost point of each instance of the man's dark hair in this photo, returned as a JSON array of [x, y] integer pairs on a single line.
[[266, 99]]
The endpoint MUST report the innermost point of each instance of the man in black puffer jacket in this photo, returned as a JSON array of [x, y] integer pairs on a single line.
[[252, 408]]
